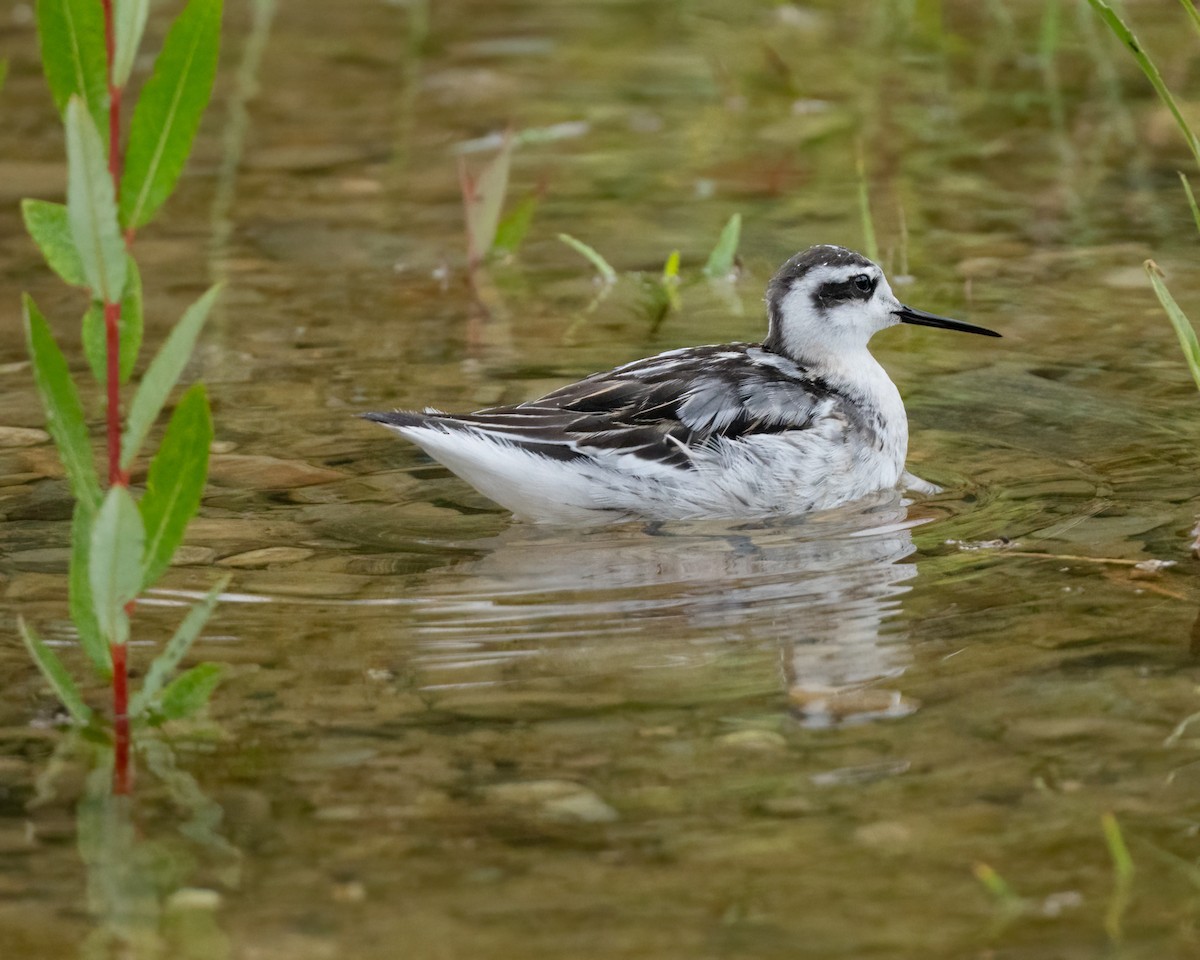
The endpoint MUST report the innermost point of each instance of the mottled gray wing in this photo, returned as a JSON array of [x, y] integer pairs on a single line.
[[662, 408]]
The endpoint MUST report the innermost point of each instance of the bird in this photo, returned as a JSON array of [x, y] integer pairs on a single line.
[[806, 420]]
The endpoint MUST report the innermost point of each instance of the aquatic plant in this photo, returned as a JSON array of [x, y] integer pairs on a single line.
[[661, 292], [1179, 320], [490, 232], [120, 545]]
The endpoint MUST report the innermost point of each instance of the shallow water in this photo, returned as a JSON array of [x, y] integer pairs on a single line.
[[443, 733]]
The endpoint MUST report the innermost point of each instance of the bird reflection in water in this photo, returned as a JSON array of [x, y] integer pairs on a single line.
[[820, 589]]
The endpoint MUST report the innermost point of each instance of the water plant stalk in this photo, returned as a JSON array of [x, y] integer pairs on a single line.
[[121, 545]]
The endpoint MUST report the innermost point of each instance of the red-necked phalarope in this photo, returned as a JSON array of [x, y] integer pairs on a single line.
[[806, 420]]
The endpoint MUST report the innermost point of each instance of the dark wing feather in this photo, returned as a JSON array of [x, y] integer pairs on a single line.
[[659, 409]]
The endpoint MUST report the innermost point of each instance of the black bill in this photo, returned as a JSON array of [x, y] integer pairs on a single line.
[[923, 319]]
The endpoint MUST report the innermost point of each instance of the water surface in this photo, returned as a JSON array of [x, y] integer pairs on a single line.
[[446, 734]]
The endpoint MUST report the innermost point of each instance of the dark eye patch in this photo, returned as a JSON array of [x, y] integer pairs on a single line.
[[859, 287]]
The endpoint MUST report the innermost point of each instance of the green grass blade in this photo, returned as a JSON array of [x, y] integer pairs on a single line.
[[721, 260], [50, 228], [607, 273], [175, 482], [168, 111], [95, 336], [71, 35], [79, 587], [1187, 188], [92, 206], [1179, 320], [996, 886], [1118, 904], [864, 208], [1121, 30], [1190, 7], [64, 413], [53, 670], [189, 692], [176, 649], [115, 562], [130, 23], [162, 374]]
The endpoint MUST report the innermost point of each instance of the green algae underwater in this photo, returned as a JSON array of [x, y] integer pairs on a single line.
[[957, 727]]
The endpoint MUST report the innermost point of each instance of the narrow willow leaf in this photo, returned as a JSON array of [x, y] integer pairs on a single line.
[[47, 223], [130, 23], [64, 413], [132, 319], [176, 649], [511, 231], [92, 208], [95, 336], [162, 374], [176, 481], [71, 34], [483, 199], [168, 111], [1179, 320], [1122, 32], [607, 273], [115, 562], [83, 611], [53, 670], [189, 692], [721, 260]]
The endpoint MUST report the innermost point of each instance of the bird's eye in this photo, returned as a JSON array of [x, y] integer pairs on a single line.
[[862, 283]]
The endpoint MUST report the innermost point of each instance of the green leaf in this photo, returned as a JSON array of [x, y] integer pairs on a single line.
[[83, 611], [53, 670], [607, 273], [168, 111], [483, 199], [721, 261], [515, 225], [64, 413], [189, 692], [92, 208], [115, 562], [161, 375], [1191, 197], [95, 336], [670, 279], [71, 34], [1193, 13], [47, 223], [1179, 320], [176, 481], [130, 23], [176, 649], [1122, 32], [864, 207]]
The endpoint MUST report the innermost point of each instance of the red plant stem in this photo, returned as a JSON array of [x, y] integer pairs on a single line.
[[121, 777], [112, 331], [114, 100]]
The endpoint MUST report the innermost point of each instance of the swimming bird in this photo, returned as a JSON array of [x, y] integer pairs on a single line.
[[806, 420]]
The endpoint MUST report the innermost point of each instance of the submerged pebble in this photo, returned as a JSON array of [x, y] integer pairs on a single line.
[[266, 556], [558, 800], [754, 741], [22, 437]]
